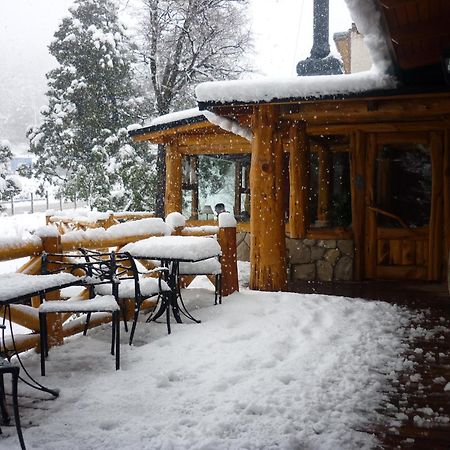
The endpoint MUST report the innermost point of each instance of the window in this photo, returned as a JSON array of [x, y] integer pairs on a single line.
[[403, 185], [212, 179], [329, 182]]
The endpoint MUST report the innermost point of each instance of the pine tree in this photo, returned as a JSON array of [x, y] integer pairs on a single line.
[[8, 183], [82, 146], [184, 42]]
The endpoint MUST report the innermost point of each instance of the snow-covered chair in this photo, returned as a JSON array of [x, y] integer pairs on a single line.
[[209, 267], [7, 368], [136, 285], [96, 269]]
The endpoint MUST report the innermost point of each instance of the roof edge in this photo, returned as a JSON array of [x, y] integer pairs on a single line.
[[206, 105], [167, 126]]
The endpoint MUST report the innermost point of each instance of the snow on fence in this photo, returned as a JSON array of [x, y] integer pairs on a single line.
[[88, 231]]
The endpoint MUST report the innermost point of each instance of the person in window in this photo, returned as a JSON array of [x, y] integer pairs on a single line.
[[219, 208]]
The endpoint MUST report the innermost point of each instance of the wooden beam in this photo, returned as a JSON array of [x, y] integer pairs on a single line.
[[237, 188], [397, 108], [213, 144], [435, 246], [297, 141], [164, 136], [414, 32], [52, 244], [357, 171], [173, 200], [418, 57], [446, 168], [324, 200], [370, 253], [194, 184], [268, 246], [392, 127]]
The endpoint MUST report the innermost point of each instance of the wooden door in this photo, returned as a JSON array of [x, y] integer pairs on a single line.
[[404, 206]]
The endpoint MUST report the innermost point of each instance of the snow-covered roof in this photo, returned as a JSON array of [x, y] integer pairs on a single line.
[[177, 116], [368, 21], [167, 121], [269, 89]]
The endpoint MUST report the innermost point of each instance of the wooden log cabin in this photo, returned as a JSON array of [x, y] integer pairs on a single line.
[[348, 176]]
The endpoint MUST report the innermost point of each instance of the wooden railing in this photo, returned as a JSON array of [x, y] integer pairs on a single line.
[[76, 235]]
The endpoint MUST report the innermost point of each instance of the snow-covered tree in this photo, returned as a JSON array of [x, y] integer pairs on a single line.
[[184, 42], [9, 185], [82, 145]]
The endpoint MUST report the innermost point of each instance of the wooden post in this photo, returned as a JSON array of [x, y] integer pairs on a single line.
[[435, 246], [237, 188], [298, 180], [446, 167], [268, 246], [324, 199], [173, 179], [194, 184], [227, 240], [371, 218], [357, 168], [52, 244]]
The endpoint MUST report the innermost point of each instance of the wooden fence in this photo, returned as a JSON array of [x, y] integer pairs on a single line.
[[100, 235]]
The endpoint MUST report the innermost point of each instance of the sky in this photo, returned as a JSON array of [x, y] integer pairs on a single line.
[[282, 32]]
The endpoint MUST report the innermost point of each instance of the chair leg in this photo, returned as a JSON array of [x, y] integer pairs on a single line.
[[113, 332], [137, 308], [219, 282], [15, 380], [123, 309], [117, 341], [43, 340], [167, 300], [86, 324], [5, 415]]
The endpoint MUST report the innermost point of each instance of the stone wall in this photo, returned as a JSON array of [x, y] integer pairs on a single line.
[[321, 260], [310, 259]]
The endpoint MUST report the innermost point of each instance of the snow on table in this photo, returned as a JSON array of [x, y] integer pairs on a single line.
[[190, 248], [14, 285]]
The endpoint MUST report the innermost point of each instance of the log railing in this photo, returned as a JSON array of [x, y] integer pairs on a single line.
[[115, 236]]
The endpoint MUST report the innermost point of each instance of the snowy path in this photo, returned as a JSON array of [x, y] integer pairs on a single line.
[[262, 371]]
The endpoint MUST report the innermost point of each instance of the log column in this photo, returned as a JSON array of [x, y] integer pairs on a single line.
[[324, 199], [435, 246], [173, 179], [298, 180], [357, 171], [268, 246], [447, 194], [52, 244]]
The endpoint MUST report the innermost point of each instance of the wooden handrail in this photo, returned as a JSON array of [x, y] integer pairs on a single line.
[[388, 214]]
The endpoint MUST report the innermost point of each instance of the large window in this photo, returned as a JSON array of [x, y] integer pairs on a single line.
[[209, 180], [329, 186], [403, 185]]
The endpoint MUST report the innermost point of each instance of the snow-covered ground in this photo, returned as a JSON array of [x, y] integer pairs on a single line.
[[261, 371]]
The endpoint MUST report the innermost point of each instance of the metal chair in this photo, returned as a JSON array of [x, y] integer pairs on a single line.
[[133, 285], [7, 368], [209, 266], [97, 269]]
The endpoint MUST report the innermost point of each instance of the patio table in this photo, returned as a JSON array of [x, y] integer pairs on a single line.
[[171, 251], [16, 288]]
